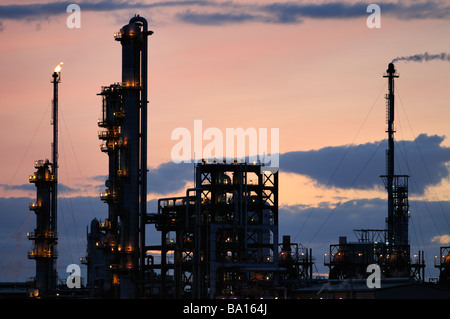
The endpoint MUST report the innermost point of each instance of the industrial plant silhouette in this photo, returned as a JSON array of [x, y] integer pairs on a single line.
[[221, 239]]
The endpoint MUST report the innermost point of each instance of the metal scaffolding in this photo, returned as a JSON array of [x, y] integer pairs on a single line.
[[222, 236]]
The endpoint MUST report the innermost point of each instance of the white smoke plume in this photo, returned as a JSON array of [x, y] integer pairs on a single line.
[[424, 57]]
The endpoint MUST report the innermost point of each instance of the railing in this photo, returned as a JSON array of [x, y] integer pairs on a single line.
[[34, 206], [441, 261], [104, 122], [38, 163], [49, 234], [111, 145], [46, 178], [31, 235], [417, 260], [107, 196], [134, 85], [108, 134], [32, 254]]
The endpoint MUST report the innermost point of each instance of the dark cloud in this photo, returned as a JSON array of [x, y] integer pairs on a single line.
[[217, 18], [44, 10], [417, 10], [295, 12], [31, 11], [359, 166], [291, 12], [166, 178], [314, 227], [99, 178], [170, 177], [348, 166], [32, 187], [22, 187], [234, 12]]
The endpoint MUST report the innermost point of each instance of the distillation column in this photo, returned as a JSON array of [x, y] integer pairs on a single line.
[[130, 38], [133, 38], [124, 122], [45, 207], [397, 240]]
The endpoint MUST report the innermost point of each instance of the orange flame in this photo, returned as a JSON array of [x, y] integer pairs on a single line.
[[58, 67]]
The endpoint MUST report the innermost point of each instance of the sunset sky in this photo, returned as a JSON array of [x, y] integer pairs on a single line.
[[312, 69]]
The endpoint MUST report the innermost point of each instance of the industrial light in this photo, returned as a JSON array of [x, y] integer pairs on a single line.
[[58, 67]]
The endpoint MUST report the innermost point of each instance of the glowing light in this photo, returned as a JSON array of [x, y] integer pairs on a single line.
[[58, 67]]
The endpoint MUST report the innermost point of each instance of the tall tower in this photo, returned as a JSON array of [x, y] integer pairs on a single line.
[[124, 132], [45, 235], [350, 259], [397, 238]]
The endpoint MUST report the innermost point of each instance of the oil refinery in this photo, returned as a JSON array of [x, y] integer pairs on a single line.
[[220, 240]]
